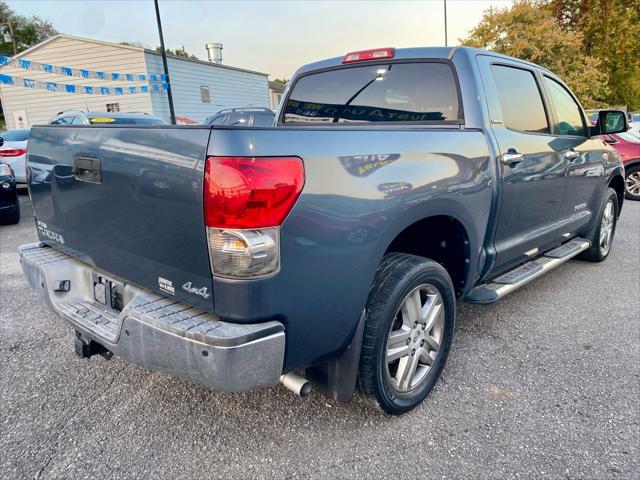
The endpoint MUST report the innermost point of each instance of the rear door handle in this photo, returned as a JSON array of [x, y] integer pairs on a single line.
[[571, 155], [87, 169], [512, 157]]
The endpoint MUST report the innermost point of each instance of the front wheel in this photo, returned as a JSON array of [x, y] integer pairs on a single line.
[[408, 331], [632, 183], [601, 236]]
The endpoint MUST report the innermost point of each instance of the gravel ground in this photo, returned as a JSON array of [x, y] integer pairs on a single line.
[[545, 383]]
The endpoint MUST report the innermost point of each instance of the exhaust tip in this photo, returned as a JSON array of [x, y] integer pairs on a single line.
[[296, 383]]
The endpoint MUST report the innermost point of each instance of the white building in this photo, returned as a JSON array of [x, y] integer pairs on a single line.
[[199, 88]]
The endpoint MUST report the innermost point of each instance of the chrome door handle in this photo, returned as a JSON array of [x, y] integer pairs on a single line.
[[571, 154], [512, 157]]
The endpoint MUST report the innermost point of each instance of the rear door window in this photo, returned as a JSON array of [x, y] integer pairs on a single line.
[[520, 99], [569, 117], [384, 93]]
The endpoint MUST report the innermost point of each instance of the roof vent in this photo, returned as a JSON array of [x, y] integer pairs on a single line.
[[214, 51]]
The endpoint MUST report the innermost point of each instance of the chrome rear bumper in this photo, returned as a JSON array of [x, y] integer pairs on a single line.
[[157, 332]]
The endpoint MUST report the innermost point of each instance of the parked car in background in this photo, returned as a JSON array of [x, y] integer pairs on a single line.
[[634, 123], [83, 117], [628, 146], [13, 149], [243, 117], [185, 121], [9, 204]]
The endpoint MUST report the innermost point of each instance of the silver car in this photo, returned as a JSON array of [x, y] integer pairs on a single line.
[[13, 149]]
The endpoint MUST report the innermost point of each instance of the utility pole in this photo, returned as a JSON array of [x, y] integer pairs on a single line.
[[164, 63], [13, 37], [445, 24]]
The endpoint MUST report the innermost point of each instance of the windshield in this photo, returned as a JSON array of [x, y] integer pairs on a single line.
[[15, 135], [126, 121], [394, 92]]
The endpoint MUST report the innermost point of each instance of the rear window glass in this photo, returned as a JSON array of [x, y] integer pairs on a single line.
[[15, 135], [394, 92], [126, 121]]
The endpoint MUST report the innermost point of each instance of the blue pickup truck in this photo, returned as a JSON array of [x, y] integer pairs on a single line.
[[331, 248]]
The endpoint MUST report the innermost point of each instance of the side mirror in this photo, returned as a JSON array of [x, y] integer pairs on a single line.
[[610, 121]]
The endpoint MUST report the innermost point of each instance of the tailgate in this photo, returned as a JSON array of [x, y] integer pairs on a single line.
[[126, 199]]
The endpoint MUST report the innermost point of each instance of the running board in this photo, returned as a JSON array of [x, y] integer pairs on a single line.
[[516, 278]]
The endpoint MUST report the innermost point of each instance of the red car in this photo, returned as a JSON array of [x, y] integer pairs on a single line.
[[628, 146]]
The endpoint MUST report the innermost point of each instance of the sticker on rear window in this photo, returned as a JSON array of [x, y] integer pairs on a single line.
[[102, 120]]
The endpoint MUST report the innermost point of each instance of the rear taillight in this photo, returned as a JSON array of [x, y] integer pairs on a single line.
[[12, 152], [375, 54], [246, 199]]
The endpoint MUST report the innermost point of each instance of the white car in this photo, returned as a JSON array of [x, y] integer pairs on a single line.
[[634, 123], [13, 150]]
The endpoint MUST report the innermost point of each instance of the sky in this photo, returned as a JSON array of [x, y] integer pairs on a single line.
[[274, 37]]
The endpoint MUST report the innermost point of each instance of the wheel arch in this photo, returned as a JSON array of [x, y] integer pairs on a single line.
[[443, 238], [617, 183]]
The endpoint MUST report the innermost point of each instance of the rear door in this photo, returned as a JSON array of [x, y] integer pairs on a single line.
[[532, 166]]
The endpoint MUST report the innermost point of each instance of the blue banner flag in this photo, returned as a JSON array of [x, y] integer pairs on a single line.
[[104, 91], [26, 64], [4, 60], [66, 71], [88, 90], [70, 88], [52, 86], [47, 68], [6, 79]]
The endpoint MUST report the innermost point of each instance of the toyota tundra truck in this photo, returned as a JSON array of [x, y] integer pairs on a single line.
[[330, 249]]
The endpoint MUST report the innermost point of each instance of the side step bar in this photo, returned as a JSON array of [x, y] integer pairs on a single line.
[[516, 278]]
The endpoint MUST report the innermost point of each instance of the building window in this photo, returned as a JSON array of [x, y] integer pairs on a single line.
[[204, 94], [113, 107]]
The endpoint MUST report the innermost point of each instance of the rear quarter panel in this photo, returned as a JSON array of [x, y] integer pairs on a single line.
[[362, 188]]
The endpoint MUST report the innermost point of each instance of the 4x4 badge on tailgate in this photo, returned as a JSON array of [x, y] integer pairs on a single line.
[[196, 291]]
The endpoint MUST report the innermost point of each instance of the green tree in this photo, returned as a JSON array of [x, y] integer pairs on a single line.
[[27, 31], [611, 33], [531, 31], [178, 52]]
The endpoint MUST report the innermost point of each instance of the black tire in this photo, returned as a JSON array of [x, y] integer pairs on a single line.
[[398, 275], [595, 253], [13, 218], [632, 170]]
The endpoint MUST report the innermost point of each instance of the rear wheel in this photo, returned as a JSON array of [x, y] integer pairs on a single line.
[[602, 235], [632, 183], [408, 331]]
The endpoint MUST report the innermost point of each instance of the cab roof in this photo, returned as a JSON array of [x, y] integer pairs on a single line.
[[417, 53]]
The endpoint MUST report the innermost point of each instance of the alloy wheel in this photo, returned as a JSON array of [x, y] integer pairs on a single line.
[[415, 337], [632, 184], [606, 227]]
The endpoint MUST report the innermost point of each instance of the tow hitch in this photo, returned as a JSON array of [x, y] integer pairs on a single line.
[[86, 349]]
